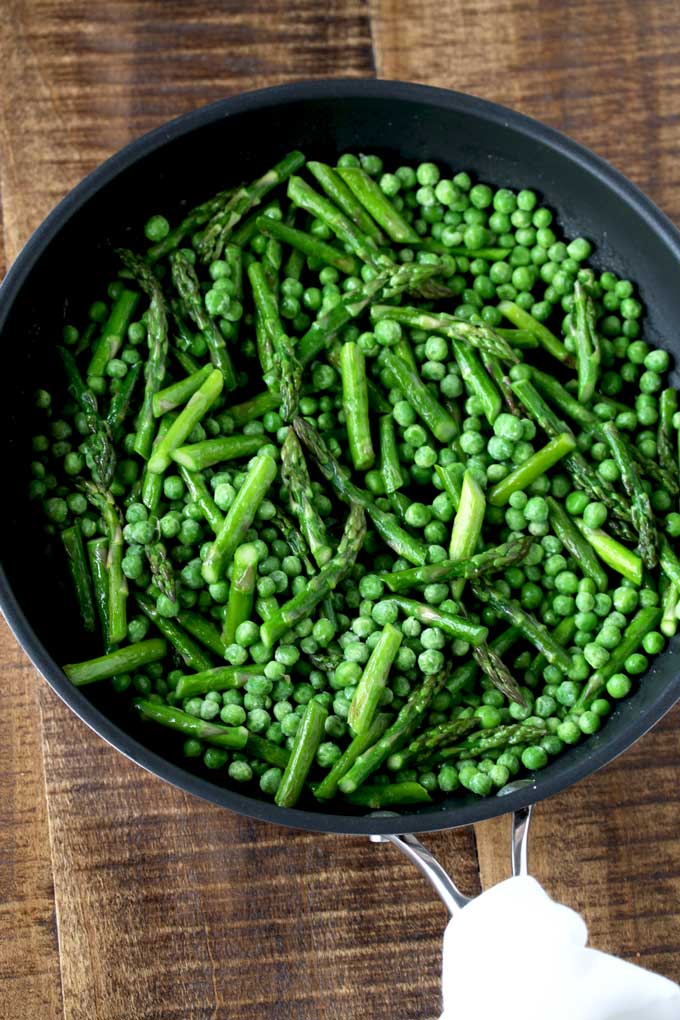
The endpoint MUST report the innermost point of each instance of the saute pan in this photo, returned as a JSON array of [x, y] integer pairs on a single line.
[[70, 257]]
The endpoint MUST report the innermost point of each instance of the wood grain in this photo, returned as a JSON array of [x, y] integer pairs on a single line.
[[29, 957], [120, 897]]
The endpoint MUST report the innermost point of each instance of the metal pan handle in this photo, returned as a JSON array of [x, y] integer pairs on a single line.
[[442, 883]]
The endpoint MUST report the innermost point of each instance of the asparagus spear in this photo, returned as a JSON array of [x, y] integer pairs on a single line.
[[100, 455], [197, 217], [524, 320], [104, 502], [587, 343], [375, 202], [220, 227], [385, 524], [431, 616], [437, 418], [308, 244], [197, 407], [640, 503], [582, 474], [97, 554], [267, 751], [668, 403], [407, 721], [233, 737], [161, 570], [221, 678], [254, 407], [497, 672], [611, 552], [452, 481], [479, 335], [240, 516], [477, 381], [305, 197], [121, 660], [113, 333], [307, 739], [670, 564], [563, 633], [502, 381], [152, 483], [575, 544], [389, 455], [241, 590], [492, 740], [200, 495], [669, 605], [644, 621], [319, 586], [203, 631], [324, 330], [529, 626], [297, 481], [327, 788], [122, 399], [373, 680], [340, 194], [532, 468], [178, 393], [463, 676], [186, 648], [467, 525], [288, 377], [187, 285], [355, 405], [431, 740], [390, 795], [157, 338], [75, 551], [493, 560], [197, 457]]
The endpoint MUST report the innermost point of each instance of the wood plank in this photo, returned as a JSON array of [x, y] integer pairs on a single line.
[[607, 847], [29, 953], [609, 75]]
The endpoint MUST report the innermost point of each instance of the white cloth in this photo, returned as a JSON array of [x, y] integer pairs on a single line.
[[515, 954]]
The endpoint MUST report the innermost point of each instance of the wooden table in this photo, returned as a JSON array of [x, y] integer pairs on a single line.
[[124, 899]]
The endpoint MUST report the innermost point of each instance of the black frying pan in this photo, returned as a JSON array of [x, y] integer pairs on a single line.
[[69, 259]]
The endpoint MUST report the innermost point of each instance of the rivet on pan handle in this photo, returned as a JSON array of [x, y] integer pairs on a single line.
[[447, 890]]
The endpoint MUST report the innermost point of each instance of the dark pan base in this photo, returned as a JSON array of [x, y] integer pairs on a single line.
[[69, 259]]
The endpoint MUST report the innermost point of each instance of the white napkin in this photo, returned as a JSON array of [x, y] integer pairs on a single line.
[[513, 953]]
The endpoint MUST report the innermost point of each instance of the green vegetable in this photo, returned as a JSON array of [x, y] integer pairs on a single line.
[[240, 517], [234, 737], [190, 415], [355, 405], [373, 680], [241, 590], [321, 584], [642, 624], [82, 583], [307, 740], [490, 561], [532, 468], [121, 660]]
